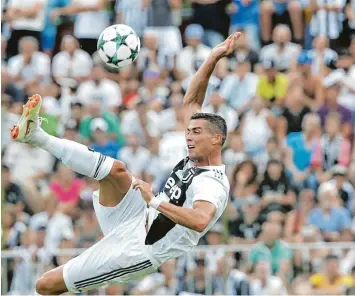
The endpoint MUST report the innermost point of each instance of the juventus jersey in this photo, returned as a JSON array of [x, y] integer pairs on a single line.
[[185, 185]]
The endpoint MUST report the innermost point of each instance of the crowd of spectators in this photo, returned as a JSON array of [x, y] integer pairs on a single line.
[[287, 94]]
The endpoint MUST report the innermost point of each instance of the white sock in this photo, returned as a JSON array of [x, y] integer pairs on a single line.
[[74, 155]]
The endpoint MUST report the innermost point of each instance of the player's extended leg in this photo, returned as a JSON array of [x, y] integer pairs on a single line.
[[112, 173]]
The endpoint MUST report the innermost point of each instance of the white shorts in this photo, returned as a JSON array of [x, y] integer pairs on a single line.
[[121, 256]]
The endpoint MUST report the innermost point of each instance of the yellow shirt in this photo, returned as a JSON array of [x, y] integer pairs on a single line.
[[321, 281], [277, 90]]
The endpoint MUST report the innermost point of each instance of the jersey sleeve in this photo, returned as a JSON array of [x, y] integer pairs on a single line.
[[208, 188]]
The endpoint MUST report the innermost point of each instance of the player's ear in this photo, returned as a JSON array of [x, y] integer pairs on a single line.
[[217, 140]]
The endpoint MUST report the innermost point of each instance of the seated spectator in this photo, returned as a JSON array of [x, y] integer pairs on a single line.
[[219, 106], [331, 219], [65, 186], [102, 143], [8, 87], [151, 56], [280, 10], [332, 148], [30, 66], [152, 90], [297, 219], [331, 105], [26, 19], [238, 88], [275, 190], [256, 128], [192, 56], [95, 111], [283, 52], [272, 86], [135, 156], [246, 228], [215, 258], [330, 281], [245, 16], [100, 89], [264, 283], [299, 150], [85, 30], [272, 249], [72, 63], [322, 55], [238, 283], [234, 153], [294, 112]]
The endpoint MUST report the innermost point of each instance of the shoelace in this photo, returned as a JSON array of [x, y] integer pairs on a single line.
[[41, 119]]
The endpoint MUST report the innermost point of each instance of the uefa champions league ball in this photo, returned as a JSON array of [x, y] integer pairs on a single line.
[[118, 46]]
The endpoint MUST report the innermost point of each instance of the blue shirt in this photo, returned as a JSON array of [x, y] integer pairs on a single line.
[[337, 220], [246, 15], [110, 149], [301, 153]]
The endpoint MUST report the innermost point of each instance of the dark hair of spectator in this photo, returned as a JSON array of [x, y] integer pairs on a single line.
[[283, 178], [252, 178]]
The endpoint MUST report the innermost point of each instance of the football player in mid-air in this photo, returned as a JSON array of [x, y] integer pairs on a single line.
[[141, 231]]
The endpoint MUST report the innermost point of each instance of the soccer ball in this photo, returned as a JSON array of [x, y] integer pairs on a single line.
[[118, 46]]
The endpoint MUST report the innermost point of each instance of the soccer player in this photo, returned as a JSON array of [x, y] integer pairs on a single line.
[[193, 199]]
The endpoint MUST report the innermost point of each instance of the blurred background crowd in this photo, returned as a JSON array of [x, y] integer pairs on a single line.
[[287, 94]]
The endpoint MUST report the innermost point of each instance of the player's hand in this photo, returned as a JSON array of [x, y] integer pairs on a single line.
[[227, 47], [145, 190]]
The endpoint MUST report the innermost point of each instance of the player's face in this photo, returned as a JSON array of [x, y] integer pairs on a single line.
[[199, 139]]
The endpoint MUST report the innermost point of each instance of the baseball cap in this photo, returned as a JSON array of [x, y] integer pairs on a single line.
[[304, 58], [194, 31], [339, 170], [326, 187], [98, 123]]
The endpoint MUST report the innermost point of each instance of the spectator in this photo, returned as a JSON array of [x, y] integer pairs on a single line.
[[26, 19], [193, 55], [246, 228], [85, 30], [330, 281], [160, 21], [72, 63], [133, 14], [101, 89], [265, 283], [269, 9], [283, 52], [245, 16], [331, 219], [134, 156], [332, 148], [294, 112], [238, 283], [238, 89], [234, 153], [8, 87], [322, 55], [204, 12], [275, 190], [102, 141], [30, 66], [272, 86], [218, 106], [272, 249], [215, 257], [152, 91]]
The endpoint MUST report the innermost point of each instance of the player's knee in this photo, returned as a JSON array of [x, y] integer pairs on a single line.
[[267, 7], [45, 285], [118, 169]]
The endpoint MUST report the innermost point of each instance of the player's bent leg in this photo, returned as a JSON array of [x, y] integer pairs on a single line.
[[51, 282]]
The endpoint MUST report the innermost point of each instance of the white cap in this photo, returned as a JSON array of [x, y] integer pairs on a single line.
[[326, 187], [98, 123]]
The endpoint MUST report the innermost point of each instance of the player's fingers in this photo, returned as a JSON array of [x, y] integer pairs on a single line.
[[136, 184]]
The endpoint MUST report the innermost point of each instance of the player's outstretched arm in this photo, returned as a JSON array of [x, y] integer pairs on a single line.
[[196, 218], [196, 92]]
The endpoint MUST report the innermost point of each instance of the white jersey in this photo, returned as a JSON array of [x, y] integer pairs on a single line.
[[186, 184]]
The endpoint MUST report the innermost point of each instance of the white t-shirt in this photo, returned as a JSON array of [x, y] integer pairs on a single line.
[[29, 23], [39, 65], [188, 57], [78, 65], [106, 91], [186, 184], [90, 24], [282, 59]]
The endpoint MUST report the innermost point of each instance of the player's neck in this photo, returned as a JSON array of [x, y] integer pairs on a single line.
[[212, 160]]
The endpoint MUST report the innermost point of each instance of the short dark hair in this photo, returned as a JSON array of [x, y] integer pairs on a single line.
[[331, 257], [218, 123]]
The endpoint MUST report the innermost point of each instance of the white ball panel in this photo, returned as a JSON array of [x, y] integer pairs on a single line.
[[132, 41], [123, 52], [123, 30], [103, 56], [124, 63], [109, 34], [110, 48]]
